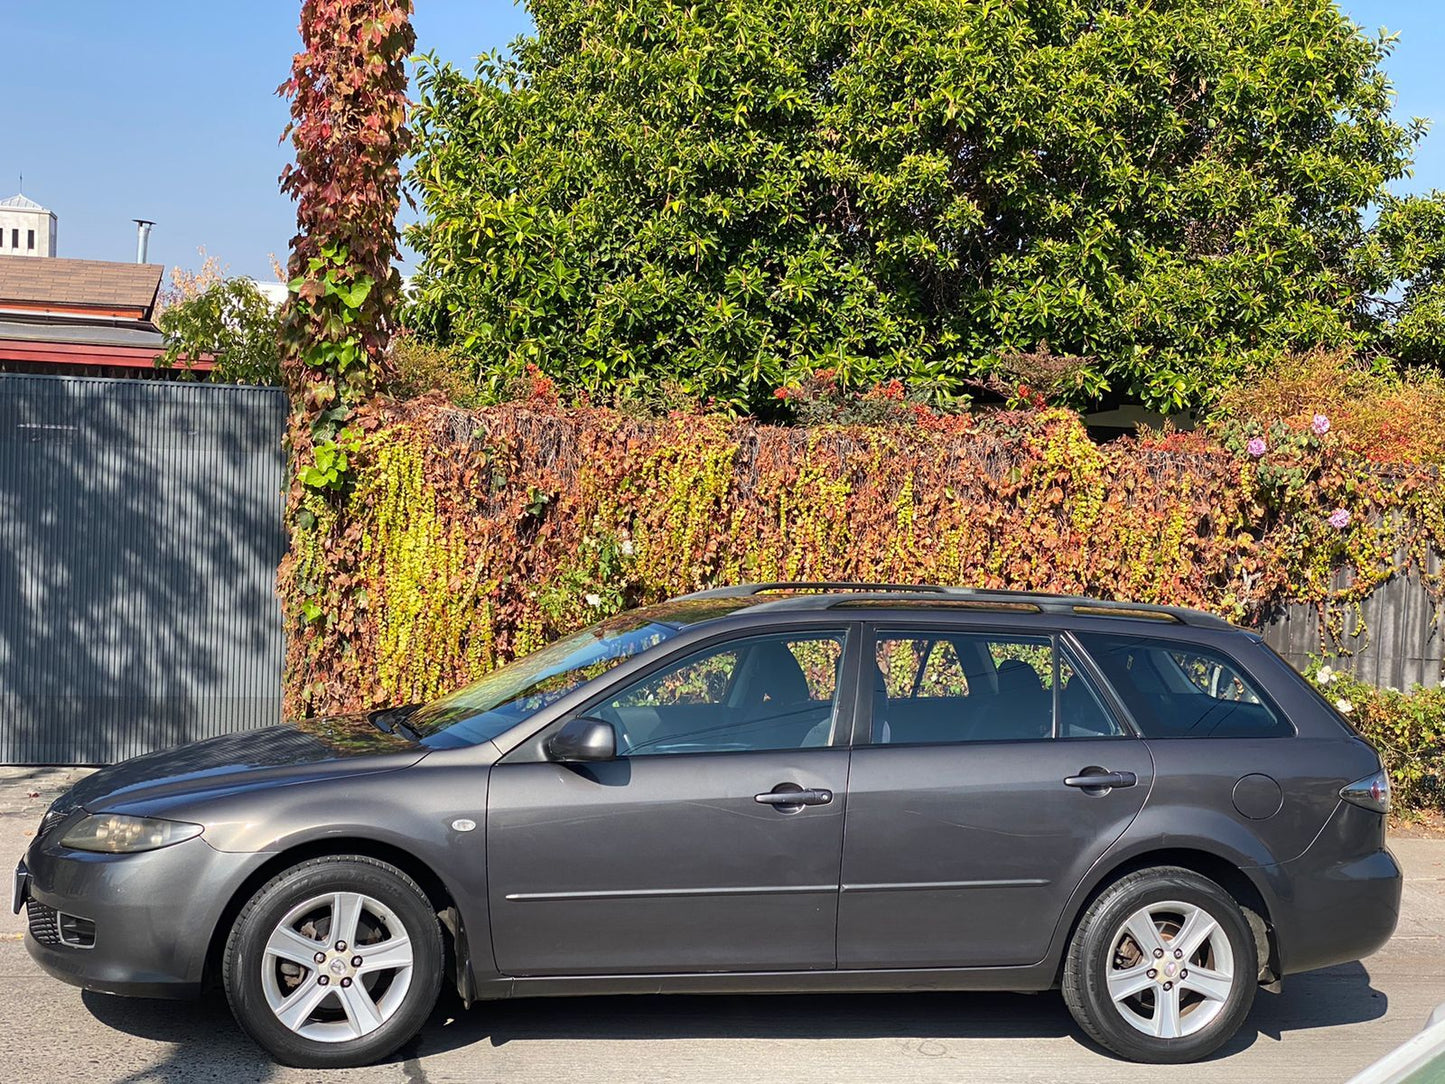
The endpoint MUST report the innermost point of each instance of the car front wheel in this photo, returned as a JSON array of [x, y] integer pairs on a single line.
[[1162, 967], [335, 962]]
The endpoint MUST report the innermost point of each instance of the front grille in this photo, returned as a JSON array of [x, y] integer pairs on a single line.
[[44, 922]]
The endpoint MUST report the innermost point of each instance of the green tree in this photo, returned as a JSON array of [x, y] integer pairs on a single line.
[[1406, 257], [231, 322], [733, 195]]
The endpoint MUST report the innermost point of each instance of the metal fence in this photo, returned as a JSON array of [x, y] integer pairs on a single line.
[[140, 529]]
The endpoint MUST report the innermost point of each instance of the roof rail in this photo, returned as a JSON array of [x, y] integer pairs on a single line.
[[747, 590], [1040, 601]]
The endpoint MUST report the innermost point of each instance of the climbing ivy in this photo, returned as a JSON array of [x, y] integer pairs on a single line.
[[348, 110], [471, 537]]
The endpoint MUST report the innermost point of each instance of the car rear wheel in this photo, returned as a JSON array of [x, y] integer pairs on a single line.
[[335, 962], [1162, 968]]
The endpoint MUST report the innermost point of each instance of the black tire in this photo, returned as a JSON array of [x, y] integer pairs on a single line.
[[245, 960], [1092, 954]]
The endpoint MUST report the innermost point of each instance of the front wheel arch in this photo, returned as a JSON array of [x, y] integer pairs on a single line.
[[1220, 870], [437, 893]]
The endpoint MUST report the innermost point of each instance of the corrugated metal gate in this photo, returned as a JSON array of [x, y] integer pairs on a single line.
[[140, 529]]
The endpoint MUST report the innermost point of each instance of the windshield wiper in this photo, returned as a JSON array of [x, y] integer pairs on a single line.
[[394, 721]]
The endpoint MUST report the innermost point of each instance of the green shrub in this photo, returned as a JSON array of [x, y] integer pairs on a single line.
[[232, 323], [415, 367], [1408, 728]]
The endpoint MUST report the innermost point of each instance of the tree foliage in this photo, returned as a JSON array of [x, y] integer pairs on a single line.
[[1407, 256], [348, 113], [231, 322], [734, 195]]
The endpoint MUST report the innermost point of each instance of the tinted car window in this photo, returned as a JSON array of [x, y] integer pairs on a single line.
[[950, 687], [1081, 713], [1178, 690], [764, 692]]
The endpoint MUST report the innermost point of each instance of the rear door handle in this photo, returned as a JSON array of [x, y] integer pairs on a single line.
[[1101, 780], [794, 797]]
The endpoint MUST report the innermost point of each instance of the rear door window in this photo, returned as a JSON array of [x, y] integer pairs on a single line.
[[1176, 690], [951, 686], [1081, 713]]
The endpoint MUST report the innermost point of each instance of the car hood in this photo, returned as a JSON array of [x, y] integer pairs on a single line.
[[274, 756]]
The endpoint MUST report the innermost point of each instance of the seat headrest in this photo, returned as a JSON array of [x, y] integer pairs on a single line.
[[1018, 678], [774, 675]]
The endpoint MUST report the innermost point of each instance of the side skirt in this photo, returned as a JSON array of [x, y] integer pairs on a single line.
[[1033, 979]]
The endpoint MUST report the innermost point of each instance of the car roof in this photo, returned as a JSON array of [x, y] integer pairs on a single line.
[[815, 596]]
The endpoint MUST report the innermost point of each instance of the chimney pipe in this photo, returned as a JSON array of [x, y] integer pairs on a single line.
[[142, 238]]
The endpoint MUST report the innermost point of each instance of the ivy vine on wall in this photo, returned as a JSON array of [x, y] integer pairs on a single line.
[[471, 537]]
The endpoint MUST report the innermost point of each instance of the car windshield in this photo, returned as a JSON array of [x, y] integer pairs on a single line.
[[508, 695]]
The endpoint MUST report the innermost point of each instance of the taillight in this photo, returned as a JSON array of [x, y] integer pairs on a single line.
[[1372, 792]]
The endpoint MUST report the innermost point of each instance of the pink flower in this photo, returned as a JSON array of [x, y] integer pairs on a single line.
[[1256, 447], [1339, 519], [1320, 426]]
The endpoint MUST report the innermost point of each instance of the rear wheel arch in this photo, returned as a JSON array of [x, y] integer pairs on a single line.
[[1222, 871], [437, 892]]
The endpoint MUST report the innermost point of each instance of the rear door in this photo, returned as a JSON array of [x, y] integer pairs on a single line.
[[711, 843], [971, 818]]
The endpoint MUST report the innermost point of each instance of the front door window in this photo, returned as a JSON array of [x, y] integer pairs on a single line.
[[766, 692]]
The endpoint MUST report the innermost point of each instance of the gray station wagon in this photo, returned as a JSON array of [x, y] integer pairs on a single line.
[[777, 787]]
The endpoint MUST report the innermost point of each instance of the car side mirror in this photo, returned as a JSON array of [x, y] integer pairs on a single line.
[[583, 739]]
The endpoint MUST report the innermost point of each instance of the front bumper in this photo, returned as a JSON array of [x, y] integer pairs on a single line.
[[154, 914]]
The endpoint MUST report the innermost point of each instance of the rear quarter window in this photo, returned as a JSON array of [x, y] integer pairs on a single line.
[[1178, 690]]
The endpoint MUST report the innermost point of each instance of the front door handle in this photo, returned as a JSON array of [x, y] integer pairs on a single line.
[[1101, 780], [794, 797]]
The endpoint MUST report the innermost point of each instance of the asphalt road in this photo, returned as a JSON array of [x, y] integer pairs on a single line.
[[1324, 1027]]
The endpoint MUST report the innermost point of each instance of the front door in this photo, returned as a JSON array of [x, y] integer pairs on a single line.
[[712, 842], [968, 826]]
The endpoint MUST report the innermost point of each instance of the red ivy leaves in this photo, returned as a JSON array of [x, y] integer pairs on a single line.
[[348, 113]]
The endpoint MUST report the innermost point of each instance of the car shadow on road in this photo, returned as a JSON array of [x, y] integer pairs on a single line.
[[209, 1044], [1319, 999], [1336, 996]]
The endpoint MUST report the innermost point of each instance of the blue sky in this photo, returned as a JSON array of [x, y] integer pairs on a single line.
[[165, 109]]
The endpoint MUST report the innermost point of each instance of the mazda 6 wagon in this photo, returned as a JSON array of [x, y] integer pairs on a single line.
[[778, 787]]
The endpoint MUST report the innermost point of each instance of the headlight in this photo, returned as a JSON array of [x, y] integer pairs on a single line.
[[115, 833]]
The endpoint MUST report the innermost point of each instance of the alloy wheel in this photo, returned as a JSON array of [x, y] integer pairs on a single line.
[[337, 967], [1171, 969]]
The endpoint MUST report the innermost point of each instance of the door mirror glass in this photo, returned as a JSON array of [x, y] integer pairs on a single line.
[[582, 740]]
